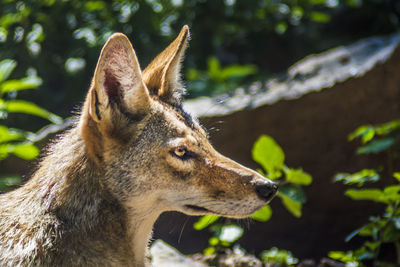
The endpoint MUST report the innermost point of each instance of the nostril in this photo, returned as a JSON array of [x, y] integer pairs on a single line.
[[266, 191]]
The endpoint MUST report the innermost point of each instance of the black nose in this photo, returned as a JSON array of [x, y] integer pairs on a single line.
[[266, 191]]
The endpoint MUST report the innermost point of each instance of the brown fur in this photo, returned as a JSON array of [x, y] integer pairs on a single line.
[[133, 154]]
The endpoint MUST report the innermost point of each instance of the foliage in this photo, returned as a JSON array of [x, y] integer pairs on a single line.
[[358, 178], [378, 138], [62, 39], [225, 236], [221, 79], [279, 257], [271, 158], [381, 230], [12, 140]]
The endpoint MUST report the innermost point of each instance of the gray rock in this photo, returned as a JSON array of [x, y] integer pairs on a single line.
[[163, 255], [313, 73]]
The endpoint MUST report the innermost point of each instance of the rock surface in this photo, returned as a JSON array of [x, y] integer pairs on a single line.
[[313, 73], [163, 255]]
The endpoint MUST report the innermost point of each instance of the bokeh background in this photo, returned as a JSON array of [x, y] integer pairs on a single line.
[[61, 40]]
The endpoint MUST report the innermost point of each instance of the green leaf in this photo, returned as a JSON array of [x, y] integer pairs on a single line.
[[298, 176], [392, 193], [320, 17], [358, 178], [6, 68], [213, 241], [214, 69], [263, 214], [372, 245], [397, 175], [281, 27], [4, 151], [376, 146], [342, 256], [205, 221], [367, 194], [292, 206], [317, 2], [293, 192], [29, 82], [7, 135], [8, 19], [237, 71], [366, 132], [269, 155], [22, 106], [209, 251], [364, 253], [192, 74], [370, 229], [354, 3], [95, 5], [388, 127], [25, 151]]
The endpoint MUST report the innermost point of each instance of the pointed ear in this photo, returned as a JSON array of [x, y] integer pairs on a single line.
[[162, 76], [117, 96], [117, 82]]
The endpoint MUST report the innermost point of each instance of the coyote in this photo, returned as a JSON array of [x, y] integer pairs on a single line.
[[132, 154]]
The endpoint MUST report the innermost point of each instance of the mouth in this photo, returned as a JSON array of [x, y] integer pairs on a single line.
[[194, 209], [197, 209]]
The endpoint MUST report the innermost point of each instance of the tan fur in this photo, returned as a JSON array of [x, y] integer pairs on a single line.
[[133, 154]]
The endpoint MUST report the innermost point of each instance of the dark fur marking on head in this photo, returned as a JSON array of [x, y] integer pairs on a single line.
[[96, 105], [188, 120], [153, 90], [184, 116], [133, 118]]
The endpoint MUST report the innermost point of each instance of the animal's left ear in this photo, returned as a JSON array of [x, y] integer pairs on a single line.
[[162, 76]]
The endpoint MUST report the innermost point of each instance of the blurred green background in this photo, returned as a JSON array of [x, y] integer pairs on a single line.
[[233, 42]]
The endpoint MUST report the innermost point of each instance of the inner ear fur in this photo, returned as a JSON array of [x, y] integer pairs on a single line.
[[163, 75], [118, 79], [116, 95]]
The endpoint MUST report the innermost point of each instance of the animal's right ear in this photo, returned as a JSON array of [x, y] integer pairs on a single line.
[[116, 96], [117, 83]]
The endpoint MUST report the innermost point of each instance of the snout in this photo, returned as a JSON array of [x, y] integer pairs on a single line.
[[266, 191]]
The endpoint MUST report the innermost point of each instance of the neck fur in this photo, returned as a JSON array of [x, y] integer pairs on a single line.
[[72, 188]]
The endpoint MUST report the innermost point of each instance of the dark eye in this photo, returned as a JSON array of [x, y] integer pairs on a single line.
[[182, 153]]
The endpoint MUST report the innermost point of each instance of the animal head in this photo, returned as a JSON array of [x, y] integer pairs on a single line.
[[155, 156]]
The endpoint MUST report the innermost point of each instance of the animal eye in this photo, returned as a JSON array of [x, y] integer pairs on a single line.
[[181, 153]]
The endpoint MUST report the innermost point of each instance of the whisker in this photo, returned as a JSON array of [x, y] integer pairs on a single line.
[[183, 227]]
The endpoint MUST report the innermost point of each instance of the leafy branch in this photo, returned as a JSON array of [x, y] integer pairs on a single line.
[[384, 229], [17, 141]]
